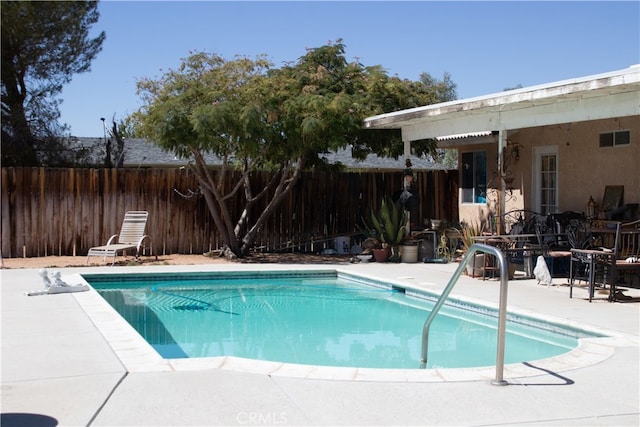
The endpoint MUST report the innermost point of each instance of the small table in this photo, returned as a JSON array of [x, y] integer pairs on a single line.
[[507, 244], [593, 258]]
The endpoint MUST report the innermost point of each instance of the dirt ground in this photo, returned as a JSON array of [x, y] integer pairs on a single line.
[[174, 259]]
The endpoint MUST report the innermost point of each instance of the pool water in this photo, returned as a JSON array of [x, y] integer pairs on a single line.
[[319, 319]]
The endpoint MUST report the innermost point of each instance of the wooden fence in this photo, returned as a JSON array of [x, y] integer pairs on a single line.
[[47, 211]]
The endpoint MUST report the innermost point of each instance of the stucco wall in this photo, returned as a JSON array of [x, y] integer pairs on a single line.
[[584, 168]]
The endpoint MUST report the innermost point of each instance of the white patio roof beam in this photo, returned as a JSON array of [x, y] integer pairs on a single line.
[[525, 114], [601, 96]]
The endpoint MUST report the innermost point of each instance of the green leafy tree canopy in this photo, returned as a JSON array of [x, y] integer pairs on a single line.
[[44, 43], [256, 118]]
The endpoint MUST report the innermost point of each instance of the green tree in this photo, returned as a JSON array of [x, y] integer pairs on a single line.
[[385, 94], [441, 90], [257, 118], [43, 44]]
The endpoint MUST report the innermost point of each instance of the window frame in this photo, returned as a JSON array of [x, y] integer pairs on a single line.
[[476, 187], [613, 135], [538, 186]]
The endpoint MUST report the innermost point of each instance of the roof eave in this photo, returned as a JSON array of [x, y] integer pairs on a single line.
[[624, 80]]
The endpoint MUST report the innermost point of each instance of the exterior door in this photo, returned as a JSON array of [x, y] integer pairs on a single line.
[[545, 179]]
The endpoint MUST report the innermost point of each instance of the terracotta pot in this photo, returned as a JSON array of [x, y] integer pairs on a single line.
[[381, 255]]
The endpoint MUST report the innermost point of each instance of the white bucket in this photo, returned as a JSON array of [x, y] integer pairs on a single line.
[[342, 245], [409, 253]]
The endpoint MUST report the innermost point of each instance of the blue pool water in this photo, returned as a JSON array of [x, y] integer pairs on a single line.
[[316, 319]]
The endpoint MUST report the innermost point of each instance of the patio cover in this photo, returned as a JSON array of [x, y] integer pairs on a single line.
[[481, 119], [601, 96]]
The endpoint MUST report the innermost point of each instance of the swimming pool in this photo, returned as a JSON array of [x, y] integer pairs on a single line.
[[320, 318]]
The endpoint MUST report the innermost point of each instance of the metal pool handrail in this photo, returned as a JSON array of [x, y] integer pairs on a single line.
[[502, 319]]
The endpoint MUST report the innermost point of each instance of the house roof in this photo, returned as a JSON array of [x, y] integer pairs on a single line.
[[600, 96], [141, 153], [469, 138]]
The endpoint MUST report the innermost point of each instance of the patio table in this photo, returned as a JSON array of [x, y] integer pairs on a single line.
[[507, 243], [592, 259]]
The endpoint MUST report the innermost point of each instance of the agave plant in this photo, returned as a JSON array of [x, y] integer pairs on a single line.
[[388, 225], [468, 232]]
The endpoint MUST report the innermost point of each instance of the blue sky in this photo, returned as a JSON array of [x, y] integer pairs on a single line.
[[485, 46]]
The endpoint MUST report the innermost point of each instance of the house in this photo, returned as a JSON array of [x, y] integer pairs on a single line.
[[139, 153], [545, 148]]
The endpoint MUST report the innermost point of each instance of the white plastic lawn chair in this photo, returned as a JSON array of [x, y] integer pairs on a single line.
[[131, 237]]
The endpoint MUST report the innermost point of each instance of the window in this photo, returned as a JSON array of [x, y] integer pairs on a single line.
[[611, 139], [548, 183], [545, 179], [473, 177]]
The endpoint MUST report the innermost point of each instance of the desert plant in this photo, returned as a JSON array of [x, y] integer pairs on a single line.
[[387, 225], [468, 232], [443, 248]]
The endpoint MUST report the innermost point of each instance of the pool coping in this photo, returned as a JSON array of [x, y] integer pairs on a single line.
[[136, 355]]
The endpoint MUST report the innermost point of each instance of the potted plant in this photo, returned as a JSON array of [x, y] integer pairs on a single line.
[[379, 250], [443, 251], [409, 250], [387, 227], [467, 234]]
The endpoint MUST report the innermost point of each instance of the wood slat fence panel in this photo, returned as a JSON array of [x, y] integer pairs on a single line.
[[50, 211]]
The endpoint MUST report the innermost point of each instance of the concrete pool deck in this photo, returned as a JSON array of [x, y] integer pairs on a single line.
[[59, 369]]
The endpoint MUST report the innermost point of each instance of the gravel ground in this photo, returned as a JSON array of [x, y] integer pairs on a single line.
[[173, 259]]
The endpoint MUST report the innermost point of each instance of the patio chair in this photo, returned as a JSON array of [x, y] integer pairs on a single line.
[[590, 264], [554, 250], [131, 237], [627, 263]]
